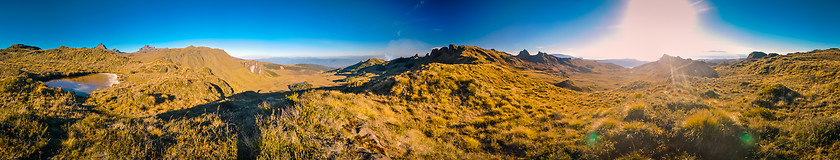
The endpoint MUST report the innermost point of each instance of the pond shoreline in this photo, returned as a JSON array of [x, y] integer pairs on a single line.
[[86, 84]]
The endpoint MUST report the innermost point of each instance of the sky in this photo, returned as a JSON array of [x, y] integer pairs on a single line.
[[594, 29]]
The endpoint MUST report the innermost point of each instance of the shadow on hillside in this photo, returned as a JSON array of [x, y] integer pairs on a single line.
[[242, 110], [57, 133]]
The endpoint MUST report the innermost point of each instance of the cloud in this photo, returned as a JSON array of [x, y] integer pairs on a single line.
[[405, 48], [650, 28]]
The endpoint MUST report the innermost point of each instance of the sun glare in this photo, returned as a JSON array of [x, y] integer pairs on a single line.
[[650, 28]]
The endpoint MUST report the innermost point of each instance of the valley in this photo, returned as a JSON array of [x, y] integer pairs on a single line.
[[456, 102]]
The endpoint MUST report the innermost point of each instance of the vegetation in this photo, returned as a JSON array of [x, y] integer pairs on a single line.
[[458, 102], [302, 86]]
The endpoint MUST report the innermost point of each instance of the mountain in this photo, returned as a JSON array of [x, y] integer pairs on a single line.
[[670, 66], [457, 102], [335, 62], [628, 63], [149, 49], [102, 46], [242, 75]]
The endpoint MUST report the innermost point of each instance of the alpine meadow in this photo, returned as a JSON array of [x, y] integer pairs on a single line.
[[370, 79]]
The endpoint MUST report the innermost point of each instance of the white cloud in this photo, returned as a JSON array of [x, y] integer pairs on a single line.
[[405, 48], [650, 28]]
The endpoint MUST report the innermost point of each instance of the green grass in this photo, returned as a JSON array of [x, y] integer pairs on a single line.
[[478, 104]]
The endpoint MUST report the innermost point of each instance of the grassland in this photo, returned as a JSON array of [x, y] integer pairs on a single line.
[[458, 102]]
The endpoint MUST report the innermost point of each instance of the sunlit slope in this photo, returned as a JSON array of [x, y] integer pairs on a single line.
[[458, 102], [814, 75], [469, 102], [217, 61], [542, 66], [42, 64], [145, 87]]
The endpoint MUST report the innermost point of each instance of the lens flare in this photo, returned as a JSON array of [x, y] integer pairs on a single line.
[[650, 28], [747, 139], [592, 138]]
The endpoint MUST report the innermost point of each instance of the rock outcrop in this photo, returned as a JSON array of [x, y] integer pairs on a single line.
[[253, 66], [102, 46], [523, 54], [149, 49]]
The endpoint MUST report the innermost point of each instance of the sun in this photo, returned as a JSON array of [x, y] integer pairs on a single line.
[[650, 28]]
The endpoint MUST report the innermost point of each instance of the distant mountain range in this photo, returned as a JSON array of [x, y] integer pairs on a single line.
[[344, 61], [628, 63], [455, 102], [335, 62]]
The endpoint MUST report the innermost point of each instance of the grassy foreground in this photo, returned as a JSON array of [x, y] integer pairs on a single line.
[[458, 102]]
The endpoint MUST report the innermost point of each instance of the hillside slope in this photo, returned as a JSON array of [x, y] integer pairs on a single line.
[[458, 102], [217, 61], [242, 75]]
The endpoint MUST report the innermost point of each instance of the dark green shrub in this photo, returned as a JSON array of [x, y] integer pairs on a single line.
[[302, 86], [771, 95]]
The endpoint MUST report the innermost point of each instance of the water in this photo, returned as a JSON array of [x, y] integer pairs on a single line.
[[84, 85]]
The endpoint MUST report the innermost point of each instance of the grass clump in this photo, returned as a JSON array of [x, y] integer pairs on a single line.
[[774, 96], [302, 86]]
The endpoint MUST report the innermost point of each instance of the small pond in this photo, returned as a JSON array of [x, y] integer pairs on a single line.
[[84, 85]]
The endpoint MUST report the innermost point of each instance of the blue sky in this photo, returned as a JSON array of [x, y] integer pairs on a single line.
[[403, 28]]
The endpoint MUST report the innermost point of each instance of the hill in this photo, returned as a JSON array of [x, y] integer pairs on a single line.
[[676, 66], [218, 63], [457, 102], [242, 75], [149, 49]]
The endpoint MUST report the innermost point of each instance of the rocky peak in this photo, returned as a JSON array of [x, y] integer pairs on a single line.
[[148, 49], [467, 54], [100, 46], [542, 54], [523, 53]]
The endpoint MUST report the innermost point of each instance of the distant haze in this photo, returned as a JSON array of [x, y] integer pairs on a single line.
[[591, 29], [335, 62]]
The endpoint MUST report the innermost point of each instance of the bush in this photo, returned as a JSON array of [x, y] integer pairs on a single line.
[[712, 134], [302, 86], [709, 94], [771, 95], [635, 112]]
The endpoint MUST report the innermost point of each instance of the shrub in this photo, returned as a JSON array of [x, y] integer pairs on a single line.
[[770, 96], [709, 94], [635, 112], [712, 134], [302, 86]]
